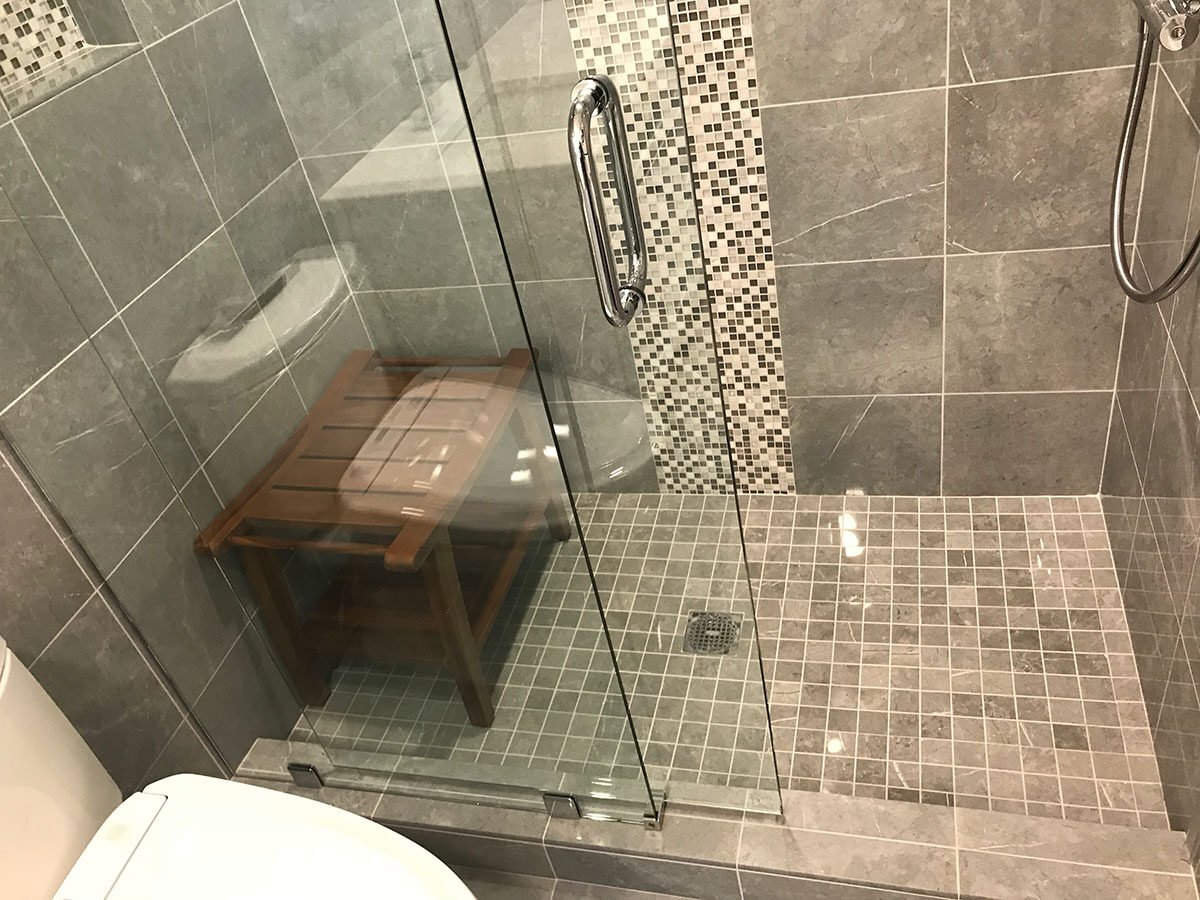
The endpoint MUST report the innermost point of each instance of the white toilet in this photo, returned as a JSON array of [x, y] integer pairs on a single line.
[[65, 834]]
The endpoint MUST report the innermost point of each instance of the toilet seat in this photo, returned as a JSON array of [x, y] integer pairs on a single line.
[[189, 837]]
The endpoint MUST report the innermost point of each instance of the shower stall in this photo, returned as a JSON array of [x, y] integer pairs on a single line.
[[589, 406]]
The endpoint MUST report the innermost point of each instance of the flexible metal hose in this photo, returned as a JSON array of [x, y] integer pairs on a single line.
[[1137, 94]]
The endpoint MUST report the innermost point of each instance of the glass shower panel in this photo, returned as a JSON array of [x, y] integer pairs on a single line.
[[637, 410], [303, 439]]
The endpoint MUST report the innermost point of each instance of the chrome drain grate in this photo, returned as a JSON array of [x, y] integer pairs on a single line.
[[711, 633]]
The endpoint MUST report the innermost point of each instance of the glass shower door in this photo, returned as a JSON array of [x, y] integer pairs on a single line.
[[637, 408]]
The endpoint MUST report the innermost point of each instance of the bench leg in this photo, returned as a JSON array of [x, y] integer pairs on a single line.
[[283, 624], [546, 475], [458, 641]]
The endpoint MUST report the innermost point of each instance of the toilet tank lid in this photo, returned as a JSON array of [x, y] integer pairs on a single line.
[[215, 838]]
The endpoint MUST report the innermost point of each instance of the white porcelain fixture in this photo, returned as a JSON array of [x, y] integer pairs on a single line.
[[65, 834]]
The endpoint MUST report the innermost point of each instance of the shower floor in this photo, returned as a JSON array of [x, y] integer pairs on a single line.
[[965, 651]]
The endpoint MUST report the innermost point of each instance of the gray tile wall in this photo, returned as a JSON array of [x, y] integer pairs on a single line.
[[146, 210], [938, 185], [63, 624], [1151, 476]]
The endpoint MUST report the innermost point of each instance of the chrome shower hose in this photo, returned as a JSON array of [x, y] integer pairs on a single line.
[[1137, 94]]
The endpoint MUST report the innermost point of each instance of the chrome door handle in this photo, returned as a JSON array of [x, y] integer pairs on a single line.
[[597, 95]]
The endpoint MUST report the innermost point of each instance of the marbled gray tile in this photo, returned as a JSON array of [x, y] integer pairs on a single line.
[[186, 752], [639, 873], [575, 890], [1024, 443], [180, 603], [393, 209], [573, 338], [113, 155], [522, 65], [1171, 155], [107, 690], [32, 206], [40, 328], [157, 18], [449, 321], [215, 83], [877, 444], [883, 863], [1149, 850], [992, 39], [856, 179], [805, 54], [505, 314], [133, 379], [105, 22], [1139, 373], [343, 75], [474, 208], [516, 825], [43, 585], [1121, 477], [338, 333], [255, 439], [462, 848], [83, 445], [282, 225], [708, 838], [765, 886], [537, 205], [487, 885], [248, 698], [868, 817], [1032, 321], [995, 875], [1030, 161], [862, 328], [193, 330]]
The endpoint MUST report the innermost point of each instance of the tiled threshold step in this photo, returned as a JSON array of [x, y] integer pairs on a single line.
[[825, 847]]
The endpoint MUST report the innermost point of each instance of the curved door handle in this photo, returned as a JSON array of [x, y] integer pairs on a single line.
[[597, 95]]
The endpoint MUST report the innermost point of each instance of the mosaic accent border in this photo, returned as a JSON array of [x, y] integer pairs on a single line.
[[715, 129], [34, 35], [716, 56], [630, 40]]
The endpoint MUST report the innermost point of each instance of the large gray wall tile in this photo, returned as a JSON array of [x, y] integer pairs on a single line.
[[114, 157], [248, 698], [862, 328], [640, 873], [876, 444], [43, 585], [185, 752], [804, 52], [1024, 443], [182, 606], [343, 73], [992, 39], [394, 209], [339, 331], [529, 177], [449, 321], [149, 407], [95, 674], [216, 86], [516, 62], [181, 325], [1032, 321], [26, 193], [573, 339], [856, 179], [1004, 877], [1030, 161], [154, 19], [280, 225], [81, 442]]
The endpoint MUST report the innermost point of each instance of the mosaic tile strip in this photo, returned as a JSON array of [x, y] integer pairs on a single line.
[[716, 57], [34, 35], [630, 41]]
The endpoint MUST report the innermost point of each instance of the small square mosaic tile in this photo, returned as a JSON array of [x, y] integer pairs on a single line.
[[966, 651]]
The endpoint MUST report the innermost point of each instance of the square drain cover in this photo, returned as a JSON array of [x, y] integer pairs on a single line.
[[712, 633]]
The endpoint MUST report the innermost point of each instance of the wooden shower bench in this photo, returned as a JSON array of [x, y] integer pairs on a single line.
[[378, 478]]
